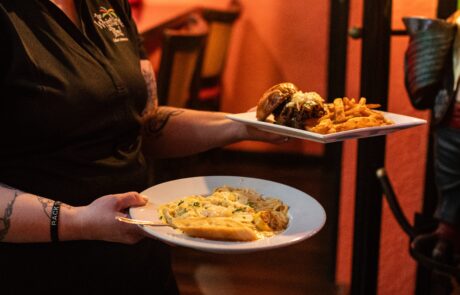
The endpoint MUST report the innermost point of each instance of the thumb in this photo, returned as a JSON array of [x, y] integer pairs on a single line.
[[130, 199]]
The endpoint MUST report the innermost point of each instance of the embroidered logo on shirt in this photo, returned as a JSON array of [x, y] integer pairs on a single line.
[[107, 19]]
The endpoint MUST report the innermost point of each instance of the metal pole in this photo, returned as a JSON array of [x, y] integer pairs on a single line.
[[371, 151], [332, 168]]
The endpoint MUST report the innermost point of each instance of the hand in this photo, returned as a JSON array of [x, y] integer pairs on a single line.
[[98, 221], [253, 133]]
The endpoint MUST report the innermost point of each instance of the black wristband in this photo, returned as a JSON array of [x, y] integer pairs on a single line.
[[55, 221]]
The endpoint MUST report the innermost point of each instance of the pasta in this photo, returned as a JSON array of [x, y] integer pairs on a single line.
[[227, 214]]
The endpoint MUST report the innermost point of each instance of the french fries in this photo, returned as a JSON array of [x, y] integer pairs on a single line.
[[347, 114]]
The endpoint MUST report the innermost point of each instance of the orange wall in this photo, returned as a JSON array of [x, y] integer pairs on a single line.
[[405, 162], [284, 41]]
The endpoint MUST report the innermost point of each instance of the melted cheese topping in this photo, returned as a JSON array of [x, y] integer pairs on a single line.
[[305, 98]]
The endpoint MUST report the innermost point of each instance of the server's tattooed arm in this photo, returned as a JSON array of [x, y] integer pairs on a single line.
[[155, 124], [155, 118], [176, 132], [151, 83], [10, 195], [47, 205], [25, 217]]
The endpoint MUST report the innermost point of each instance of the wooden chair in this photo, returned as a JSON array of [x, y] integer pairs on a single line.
[[182, 49], [177, 65], [220, 24]]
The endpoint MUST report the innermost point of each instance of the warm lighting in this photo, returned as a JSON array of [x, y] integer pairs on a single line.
[[135, 3]]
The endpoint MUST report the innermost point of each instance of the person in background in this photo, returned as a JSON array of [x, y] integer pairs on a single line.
[[78, 112], [447, 173], [443, 99], [447, 162]]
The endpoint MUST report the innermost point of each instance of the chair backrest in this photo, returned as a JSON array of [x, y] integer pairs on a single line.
[[179, 68], [220, 24]]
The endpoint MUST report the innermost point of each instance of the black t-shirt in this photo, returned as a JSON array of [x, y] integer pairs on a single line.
[[70, 100], [70, 106]]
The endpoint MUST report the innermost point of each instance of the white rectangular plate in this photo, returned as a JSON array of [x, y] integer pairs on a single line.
[[400, 122]]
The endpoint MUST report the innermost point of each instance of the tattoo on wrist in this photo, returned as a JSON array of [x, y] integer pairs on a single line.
[[5, 221], [46, 204], [155, 124]]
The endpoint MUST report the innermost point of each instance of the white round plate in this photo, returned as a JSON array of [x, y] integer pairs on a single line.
[[306, 215]]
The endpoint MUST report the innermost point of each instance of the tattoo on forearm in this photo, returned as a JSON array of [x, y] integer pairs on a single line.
[[46, 203], [154, 119], [155, 124], [5, 220], [152, 96], [149, 78], [5, 217]]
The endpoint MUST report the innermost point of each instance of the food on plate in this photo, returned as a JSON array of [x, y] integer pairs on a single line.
[[346, 114], [289, 106], [215, 228], [229, 214], [286, 105]]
